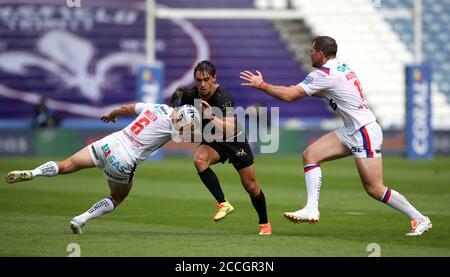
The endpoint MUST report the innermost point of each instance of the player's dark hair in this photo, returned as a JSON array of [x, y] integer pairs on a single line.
[[177, 95], [326, 44], [206, 66]]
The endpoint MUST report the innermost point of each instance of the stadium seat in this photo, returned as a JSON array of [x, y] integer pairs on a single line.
[[435, 47], [388, 42], [248, 44]]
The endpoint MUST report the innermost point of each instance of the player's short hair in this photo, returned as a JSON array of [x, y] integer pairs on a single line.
[[177, 95], [326, 44], [206, 66]]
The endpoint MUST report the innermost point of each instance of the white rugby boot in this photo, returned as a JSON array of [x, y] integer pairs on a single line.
[[303, 215], [18, 176], [76, 225], [418, 227]]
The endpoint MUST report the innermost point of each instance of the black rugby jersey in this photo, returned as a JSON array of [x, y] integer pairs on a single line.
[[221, 98]]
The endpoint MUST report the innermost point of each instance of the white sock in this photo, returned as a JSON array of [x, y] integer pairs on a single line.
[[48, 169], [400, 203], [313, 178], [98, 209]]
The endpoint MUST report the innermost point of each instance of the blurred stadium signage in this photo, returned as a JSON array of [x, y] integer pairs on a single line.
[[73, 3], [150, 82], [419, 134], [84, 60], [149, 89], [16, 143]]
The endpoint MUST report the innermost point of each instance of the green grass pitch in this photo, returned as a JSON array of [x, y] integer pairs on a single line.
[[169, 212]]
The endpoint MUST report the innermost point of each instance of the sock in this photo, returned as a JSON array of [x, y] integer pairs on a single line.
[[211, 181], [313, 178], [259, 203], [400, 203], [98, 209], [48, 169]]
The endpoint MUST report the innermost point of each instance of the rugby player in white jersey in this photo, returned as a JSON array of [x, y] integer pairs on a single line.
[[119, 153], [360, 136]]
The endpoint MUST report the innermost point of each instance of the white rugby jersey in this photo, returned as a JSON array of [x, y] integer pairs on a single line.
[[345, 95], [150, 130]]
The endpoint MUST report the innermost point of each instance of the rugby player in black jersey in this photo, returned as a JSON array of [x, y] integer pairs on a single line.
[[232, 146]]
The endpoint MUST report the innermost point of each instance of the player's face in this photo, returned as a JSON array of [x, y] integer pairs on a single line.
[[205, 83], [315, 56], [177, 120]]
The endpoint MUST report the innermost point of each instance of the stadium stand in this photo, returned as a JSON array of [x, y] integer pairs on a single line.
[[366, 41], [253, 45], [234, 45], [435, 47], [69, 56], [376, 52]]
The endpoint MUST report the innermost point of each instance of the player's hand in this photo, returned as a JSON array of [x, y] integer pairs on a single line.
[[252, 79], [108, 117], [207, 111]]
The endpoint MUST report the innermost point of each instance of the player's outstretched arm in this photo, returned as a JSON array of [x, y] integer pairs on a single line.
[[288, 94], [128, 109]]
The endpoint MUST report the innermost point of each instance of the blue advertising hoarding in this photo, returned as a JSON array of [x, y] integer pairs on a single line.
[[149, 89], [419, 133]]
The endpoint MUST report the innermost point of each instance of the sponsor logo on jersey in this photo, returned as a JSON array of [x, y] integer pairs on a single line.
[[351, 75], [112, 159], [160, 109], [347, 67], [163, 110], [308, 80], [362, 149], [227, 105], [132, 140]]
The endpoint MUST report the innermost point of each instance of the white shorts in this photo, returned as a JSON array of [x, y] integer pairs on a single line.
[[109, 154], [365, 143]]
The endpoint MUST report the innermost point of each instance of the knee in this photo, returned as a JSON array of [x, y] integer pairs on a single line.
[[201, 162], [308, 157], [251, 186], [374, 191]]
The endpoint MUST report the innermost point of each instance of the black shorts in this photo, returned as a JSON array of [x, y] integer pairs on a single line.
[[238, 153]]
